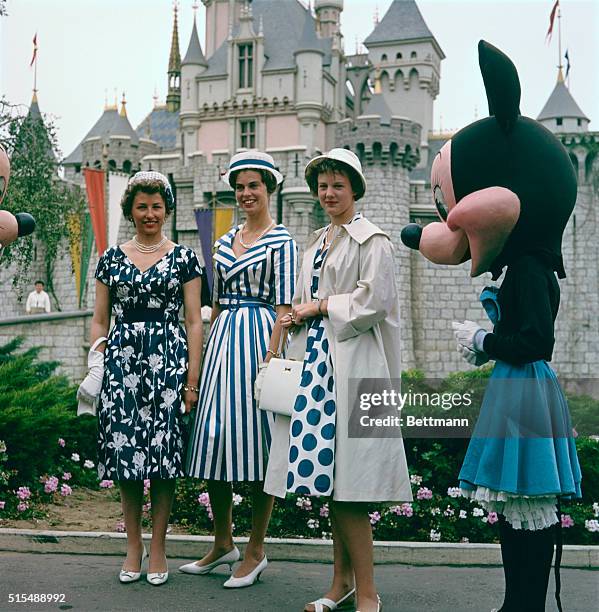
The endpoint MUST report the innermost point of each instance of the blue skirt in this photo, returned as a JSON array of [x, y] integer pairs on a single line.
[[523, 443]]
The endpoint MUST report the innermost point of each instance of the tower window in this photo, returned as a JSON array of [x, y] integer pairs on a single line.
[[398, 56], [384, 57], [248, 133], [413, 55], [559, 121], [246, 65], [579, 122]]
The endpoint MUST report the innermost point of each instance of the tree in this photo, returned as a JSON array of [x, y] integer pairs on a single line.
[[36, 188]]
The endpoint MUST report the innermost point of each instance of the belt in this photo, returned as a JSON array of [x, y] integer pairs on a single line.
[[143, 315], [234, 302]]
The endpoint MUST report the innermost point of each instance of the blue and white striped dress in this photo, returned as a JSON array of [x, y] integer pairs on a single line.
[[231, 436]]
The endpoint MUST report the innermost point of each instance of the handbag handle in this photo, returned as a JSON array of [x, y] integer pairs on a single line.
[[282, 340]]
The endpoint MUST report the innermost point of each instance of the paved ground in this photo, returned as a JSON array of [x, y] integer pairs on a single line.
[[90, 583]]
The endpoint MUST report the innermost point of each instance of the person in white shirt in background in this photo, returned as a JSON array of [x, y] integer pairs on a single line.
[[38, 300]]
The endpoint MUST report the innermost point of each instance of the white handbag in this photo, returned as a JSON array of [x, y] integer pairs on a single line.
[[278, 383]]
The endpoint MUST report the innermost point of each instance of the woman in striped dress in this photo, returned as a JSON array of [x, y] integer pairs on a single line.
[[254, 278]]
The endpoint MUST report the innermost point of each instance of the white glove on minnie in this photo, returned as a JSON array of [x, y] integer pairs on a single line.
[[470, 337], [89, 390]]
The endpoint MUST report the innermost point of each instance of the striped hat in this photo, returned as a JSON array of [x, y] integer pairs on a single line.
[[252, 160]]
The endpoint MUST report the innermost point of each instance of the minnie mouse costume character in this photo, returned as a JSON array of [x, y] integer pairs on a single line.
[[11, 226], [505, 188]]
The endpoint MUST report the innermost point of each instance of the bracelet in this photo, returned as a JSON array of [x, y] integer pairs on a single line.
[[191, 388], [277, 355]]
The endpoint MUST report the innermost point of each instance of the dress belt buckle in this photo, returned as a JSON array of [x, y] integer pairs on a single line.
[[234, 302]]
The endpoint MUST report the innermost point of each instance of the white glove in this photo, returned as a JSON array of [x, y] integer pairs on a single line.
[[259, 380], [474, 358], [89, 390], [469, 334]]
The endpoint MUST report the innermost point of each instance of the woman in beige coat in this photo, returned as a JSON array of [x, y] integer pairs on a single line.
[[345, 324]]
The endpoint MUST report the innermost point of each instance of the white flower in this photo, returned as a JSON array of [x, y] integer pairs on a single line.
[[157, 439], [119, 440], [434, 536], [139, 459], [237, 499], [131, 381], [596, 508], [463, 514], [156, 362], [88, 464], [415, 479], [75, 457], [454, 492], [435, 511], [592, 525], [478, 512], [312, 523], [128, 353], [169, 396], [449, 511], [144, 413], [122, 291], [162, 265]]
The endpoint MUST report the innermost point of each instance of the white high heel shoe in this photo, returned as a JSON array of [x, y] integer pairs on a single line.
[[125, 576], [251, 578], [332, 605], [157, 578], [379, 604], [227, 559]]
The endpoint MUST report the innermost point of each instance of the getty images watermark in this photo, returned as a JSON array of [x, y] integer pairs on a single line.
[[380, 408]]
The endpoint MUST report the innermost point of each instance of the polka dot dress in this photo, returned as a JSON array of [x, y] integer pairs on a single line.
[[312, 436]]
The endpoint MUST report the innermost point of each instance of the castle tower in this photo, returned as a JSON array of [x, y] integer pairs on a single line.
[[173, 98], [561, 113], [194, 63], [388, 148], [308, 58], [410, 61], [221, 17], [328, 17]]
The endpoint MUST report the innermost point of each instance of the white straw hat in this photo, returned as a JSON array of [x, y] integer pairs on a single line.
[[252, 160], [345, 156]]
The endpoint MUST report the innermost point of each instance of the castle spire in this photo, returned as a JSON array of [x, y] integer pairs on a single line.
[[173, 99], [123, 112]]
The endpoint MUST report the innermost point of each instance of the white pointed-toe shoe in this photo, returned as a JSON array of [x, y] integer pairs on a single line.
[[125, 576], [251, 578], [340, 604], [157, 578], [227, 559]]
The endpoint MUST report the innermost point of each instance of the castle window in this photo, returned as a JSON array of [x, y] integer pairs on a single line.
[[413, 55], [246, 66], [384, 57], [77, 168], [578, 122], [398, 56], [247, 130], [559, 121], [127, 166]]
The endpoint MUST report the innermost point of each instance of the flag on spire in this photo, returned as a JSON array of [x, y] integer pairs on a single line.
[[567, 58], [34, 50], [551, 20]]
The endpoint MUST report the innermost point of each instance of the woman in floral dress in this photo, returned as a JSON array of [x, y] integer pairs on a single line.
[[146, 372]]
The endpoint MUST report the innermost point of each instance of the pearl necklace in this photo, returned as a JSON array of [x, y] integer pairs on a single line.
[[152, 248], [251, 244]]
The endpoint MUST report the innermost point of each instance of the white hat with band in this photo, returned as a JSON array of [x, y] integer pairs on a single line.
[[345, 156], [252, 160]]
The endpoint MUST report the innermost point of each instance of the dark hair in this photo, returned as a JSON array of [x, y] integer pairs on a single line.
[[145, 187], [327, 166], [268, 178], [39, 282]]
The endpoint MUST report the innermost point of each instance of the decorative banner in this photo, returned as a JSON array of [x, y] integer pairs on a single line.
[[87, 243], [117, 183], [223, 220], [204, 223], [74, 229], [94, 183]]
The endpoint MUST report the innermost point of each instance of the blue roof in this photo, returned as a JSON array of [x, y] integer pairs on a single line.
[[160, 126]]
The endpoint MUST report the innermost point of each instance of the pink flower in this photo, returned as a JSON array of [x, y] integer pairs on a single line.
[[106, 484], [23, 493], [146, 507], [2, 504], [324, 511], [567, 520], [375, 517], [492, 518], [403, 510], [51, 484], [22, 506], [67, 476], [61, 442], [120, 527], [204, 499], [424, 493], [65, 490]]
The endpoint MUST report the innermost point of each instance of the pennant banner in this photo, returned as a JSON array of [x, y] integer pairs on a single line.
[[204, 223], [34, 50], [87, 244], [551, 20], [223, 221], [117, 183], [94, 184], [567, 58]]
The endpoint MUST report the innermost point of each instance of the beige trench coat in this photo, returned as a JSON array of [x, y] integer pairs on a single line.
[[364, 335]]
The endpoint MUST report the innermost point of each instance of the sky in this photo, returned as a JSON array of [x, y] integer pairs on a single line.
[[90, 49]]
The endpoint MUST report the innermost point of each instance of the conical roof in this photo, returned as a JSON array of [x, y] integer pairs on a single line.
[[402, 22], [377, 105], [34, 115], [561, 103], [309, 40], [194, 53], [174, 60]]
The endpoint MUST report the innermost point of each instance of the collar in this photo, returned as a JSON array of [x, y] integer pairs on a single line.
[[360, 230]]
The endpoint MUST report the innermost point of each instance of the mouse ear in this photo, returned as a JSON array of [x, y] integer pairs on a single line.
[[501, 84]]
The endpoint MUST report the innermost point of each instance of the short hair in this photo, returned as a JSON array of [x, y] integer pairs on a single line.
[[39, 282], [327, 166], [149, 187], [268, 178]]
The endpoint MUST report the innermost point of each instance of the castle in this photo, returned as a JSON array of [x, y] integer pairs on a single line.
[[273, 75]]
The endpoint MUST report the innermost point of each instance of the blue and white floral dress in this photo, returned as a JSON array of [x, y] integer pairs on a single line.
[[231, 436], [145, 366]]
